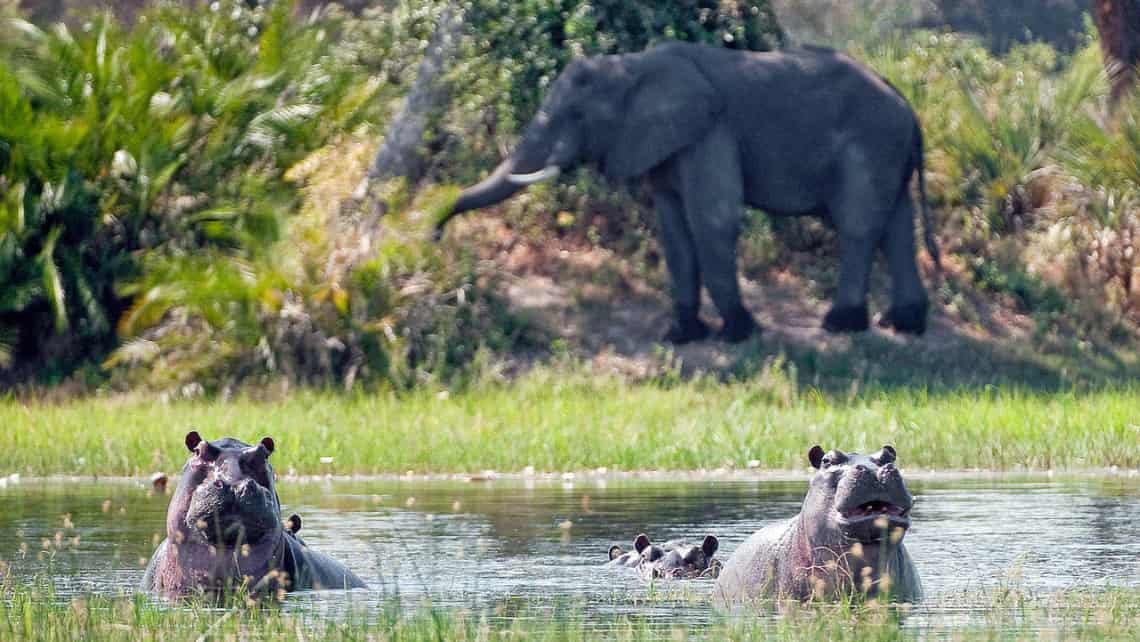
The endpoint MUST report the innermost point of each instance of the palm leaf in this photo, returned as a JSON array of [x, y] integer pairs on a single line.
[[53, 284]]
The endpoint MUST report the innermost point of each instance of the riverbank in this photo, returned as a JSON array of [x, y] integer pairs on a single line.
[[569, 423]]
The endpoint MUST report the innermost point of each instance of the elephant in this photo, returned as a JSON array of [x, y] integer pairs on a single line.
[[800, 131]]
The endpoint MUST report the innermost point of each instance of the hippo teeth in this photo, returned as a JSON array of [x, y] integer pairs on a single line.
[[876, 508]]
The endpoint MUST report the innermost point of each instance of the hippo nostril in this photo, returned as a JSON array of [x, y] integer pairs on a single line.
[[860, 468]]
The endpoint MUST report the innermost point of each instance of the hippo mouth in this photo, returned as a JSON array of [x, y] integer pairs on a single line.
[[870, 520], [874, 508], [687, 572]]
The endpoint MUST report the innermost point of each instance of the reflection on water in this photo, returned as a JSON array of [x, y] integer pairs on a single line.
[[512, 541]]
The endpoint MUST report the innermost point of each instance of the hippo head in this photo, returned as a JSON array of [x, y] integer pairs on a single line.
[[227, 495], [643, 552], [646, 550], [684, 560], [862, 497]]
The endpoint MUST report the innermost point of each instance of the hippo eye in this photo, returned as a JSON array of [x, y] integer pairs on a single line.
[[208, 452], [254, 465], [833, 458]]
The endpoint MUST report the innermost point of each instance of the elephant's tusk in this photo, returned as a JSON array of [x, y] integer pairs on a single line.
[[550, 171]]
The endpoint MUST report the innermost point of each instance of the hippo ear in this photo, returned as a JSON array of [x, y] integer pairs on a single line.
[[886, 455], [192, 440], [268, 443], [293, 524], [641, 542], [815, 456], [710, 545], [616, 552]]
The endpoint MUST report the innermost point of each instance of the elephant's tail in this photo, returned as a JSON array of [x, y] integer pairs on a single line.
[[927, 229]]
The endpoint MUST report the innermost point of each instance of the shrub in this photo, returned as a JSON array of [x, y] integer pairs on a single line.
[[120, 147]]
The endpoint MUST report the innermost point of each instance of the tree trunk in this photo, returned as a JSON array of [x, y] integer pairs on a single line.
[[1118, 22], [399, 154]]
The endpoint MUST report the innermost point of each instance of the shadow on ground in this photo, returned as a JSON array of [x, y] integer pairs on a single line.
[[617, 329]]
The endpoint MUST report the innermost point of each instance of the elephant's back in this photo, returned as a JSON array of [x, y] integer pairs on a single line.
[[797, 116]]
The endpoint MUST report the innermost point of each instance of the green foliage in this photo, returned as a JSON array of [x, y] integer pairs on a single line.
[[1104, 154], [1032, 294], [1033, 183], [989, 121], [162, 140]]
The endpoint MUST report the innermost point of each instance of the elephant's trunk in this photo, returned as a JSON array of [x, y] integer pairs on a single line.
[[531, 161], [494, 189]]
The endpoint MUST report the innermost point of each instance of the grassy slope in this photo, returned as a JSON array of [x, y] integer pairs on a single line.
[[573, 423]]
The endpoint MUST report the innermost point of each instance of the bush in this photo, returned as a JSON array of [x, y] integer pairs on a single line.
[[119, 149], [1037, 189]]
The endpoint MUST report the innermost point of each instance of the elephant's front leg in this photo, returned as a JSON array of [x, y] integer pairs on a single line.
[[712, 190], [684, 274]]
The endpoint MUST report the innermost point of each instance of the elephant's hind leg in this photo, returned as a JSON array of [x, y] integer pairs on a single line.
[[908, 301], [684, 274], [848, 311], [860, 213], [713, 195]]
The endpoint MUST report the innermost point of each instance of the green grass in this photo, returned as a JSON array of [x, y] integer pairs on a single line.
[[30, 614], [572, 422]]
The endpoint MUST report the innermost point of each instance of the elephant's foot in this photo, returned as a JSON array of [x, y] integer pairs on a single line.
[[852, 319], [738, 326], [686, 327], [909, 318]]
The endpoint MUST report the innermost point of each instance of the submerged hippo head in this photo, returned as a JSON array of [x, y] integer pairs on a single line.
[[227, 495], [683, 560], [862, 497], [643, 552], [674, 559]]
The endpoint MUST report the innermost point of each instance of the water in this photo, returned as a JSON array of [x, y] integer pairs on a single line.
[[545, 542]]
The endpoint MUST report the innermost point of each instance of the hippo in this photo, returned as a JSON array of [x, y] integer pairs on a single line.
[[224, 529], [846, 540], [675, 559]]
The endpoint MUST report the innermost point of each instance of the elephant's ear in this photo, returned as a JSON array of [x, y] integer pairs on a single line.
[[671, 105]]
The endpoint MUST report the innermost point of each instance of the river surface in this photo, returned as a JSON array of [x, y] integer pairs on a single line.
[[544, 541]]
